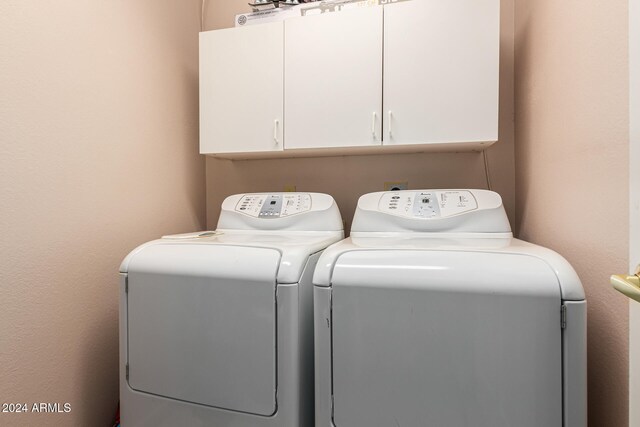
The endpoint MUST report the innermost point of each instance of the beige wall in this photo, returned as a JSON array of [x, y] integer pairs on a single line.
[[98, 153], [346, 178], [571, 164]]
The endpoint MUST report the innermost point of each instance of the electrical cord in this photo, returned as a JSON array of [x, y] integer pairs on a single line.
[[202, 15], [486, 169]]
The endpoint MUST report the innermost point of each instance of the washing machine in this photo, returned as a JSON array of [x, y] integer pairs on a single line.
[[432, 314], [216, 328]]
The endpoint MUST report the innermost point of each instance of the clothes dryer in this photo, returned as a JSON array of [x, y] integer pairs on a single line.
[[216, 328], [432, 314]]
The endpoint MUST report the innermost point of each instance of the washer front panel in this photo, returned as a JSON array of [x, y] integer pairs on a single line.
[[202, 326]]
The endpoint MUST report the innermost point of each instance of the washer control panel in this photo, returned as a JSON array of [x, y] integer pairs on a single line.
[[277, 205], [427, 204]]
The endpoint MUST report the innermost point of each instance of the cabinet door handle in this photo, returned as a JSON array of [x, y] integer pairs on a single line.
[[373, 125], [390, 135], [275, 131]]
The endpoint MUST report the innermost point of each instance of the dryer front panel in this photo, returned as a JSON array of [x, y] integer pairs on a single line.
[[202, 325], [447, 339]]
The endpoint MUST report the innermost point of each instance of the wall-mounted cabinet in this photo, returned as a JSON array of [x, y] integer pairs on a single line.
[[412, 76], [241, 90]]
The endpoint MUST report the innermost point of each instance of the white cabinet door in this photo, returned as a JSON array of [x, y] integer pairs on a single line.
[[333, 79], [241, 89], [441, 60]]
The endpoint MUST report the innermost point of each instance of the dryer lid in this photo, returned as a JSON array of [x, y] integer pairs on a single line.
[[361, 256], [447, 271]]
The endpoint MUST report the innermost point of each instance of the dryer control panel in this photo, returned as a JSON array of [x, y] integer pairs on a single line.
[[277, 205], [427, 204]]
